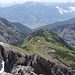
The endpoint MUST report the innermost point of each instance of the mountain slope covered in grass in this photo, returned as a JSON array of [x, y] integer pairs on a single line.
[[51, 45], [65, 29]]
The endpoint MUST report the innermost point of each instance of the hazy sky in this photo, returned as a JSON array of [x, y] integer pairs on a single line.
[[21, 1]]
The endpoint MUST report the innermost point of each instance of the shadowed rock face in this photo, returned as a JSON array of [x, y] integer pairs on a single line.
[[12, 59], [46, 67], [1, 55], [21, 64]]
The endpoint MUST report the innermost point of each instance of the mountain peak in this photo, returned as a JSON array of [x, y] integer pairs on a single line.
[[48, 43], [50, 36]]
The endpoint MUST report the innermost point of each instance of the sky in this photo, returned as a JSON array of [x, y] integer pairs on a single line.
[[22, 1]]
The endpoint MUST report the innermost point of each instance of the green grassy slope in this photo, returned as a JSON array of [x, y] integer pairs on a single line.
[[49, 43]]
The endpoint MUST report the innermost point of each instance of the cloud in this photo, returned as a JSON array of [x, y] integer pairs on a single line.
[[59, 10], [71, 9]]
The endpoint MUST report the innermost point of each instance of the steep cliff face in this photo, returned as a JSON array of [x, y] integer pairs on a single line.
[[18, 63], [67, 32]]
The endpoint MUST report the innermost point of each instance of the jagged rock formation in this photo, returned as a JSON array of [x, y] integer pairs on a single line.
[[18, 63], [12, 59], [23, 70]]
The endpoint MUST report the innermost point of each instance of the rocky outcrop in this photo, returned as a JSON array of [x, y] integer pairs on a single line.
[[12, 59], [23, 70], [18, 63], [46, 67], [4, 73]]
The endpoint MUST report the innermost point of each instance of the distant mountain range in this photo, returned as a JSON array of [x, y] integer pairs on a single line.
[[55, 24], [35, 14], [11, 33]]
